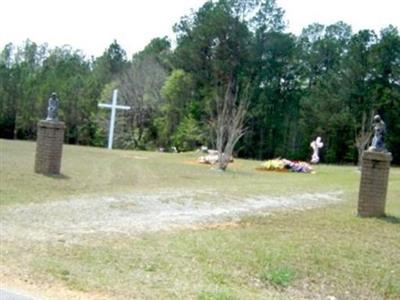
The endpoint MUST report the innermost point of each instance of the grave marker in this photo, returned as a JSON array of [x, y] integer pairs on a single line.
[[113, 107]]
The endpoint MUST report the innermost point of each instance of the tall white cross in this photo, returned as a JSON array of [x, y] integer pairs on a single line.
[[113, 107]]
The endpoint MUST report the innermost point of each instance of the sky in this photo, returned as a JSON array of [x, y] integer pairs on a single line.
[[92, 25]]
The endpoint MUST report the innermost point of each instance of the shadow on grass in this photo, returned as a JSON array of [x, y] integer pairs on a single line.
[[391, 219], [57, 176]]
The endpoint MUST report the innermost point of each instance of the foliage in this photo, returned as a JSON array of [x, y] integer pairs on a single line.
[[177, 92], [188, 135], [327, 82]]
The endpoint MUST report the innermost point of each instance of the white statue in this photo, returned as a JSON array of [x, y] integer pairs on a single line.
[[316, 145]]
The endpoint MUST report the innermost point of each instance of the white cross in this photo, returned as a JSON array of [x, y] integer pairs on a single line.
[[113, 107]]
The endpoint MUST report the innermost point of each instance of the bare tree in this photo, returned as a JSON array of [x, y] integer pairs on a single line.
[[140, 88], [364, 135], [229, 125]]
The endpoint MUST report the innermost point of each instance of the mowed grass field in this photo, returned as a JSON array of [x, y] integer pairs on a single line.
[[291, 254]]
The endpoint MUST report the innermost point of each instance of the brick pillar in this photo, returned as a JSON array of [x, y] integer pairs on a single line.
[[373, 184], [50, 137]]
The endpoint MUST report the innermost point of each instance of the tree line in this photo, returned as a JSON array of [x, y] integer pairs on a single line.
[[233, 62]]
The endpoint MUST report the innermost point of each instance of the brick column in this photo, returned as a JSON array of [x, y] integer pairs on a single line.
[[373, 184], [49, 143]]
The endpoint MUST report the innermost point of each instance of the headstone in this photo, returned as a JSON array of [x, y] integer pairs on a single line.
[[113, 107], [204, 149], [316, 145], [374, 175], [50, 138]]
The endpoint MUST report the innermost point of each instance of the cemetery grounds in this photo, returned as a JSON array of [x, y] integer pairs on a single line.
[[146, 225]]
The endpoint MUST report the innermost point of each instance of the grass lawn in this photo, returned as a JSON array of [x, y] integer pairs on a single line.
[[291, 254]]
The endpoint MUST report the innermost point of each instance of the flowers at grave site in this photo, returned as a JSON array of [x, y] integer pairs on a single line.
[[283, 165], [274, 165]]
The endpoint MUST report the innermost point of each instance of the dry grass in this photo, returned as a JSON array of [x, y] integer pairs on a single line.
[[289, 255]]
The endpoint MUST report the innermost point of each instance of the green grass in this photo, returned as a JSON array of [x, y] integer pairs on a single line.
[[280, 275], [94, 171], [287, 255], [215, 295]]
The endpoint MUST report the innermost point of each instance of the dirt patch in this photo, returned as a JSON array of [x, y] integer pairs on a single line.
[[43, 290], [138, 213]]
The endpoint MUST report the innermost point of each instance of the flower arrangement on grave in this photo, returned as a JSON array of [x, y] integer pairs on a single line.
[[274, 165], [285, 165]]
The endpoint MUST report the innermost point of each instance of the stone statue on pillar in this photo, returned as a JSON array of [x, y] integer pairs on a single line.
[[374, 174], [52, 108], [378, 141], [49, 142]]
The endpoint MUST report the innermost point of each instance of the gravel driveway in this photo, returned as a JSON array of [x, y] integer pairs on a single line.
[[14, 295], [138, 213]]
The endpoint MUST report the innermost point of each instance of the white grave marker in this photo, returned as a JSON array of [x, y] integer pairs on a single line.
[[113, 107], [316, 145]]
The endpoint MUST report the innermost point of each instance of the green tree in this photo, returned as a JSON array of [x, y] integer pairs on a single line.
[[111, 63], [274, 106], [159, 49], [66, 72], [324, 111], [20, 88], [177, 92], [7, 88], [386, 62], [188, 134], [357, 87]]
